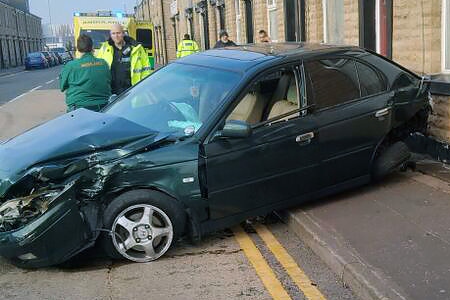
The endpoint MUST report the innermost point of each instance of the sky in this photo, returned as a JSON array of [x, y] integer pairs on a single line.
[[61, 11]]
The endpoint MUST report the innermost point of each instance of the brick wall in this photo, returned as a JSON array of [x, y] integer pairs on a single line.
[[440, 118], [417, 34], [351, 22], [314, 21]]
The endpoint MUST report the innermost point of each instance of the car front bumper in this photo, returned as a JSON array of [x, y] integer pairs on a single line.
[[52, 238]]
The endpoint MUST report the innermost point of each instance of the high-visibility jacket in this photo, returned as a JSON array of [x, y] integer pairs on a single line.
[[187, 47], [140, 66]]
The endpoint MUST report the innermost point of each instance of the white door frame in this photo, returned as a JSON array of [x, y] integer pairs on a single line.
[[445, 45]]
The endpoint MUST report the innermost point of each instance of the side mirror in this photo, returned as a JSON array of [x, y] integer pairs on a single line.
[[236, 129], [112, 98]]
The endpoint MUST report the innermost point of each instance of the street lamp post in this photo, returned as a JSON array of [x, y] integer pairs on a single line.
[[50, 18]]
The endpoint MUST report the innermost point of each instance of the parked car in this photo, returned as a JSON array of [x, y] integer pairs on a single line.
[[65, 55], [55, 57], [35, 60], [51, 61], [247, 130], [58, 57]]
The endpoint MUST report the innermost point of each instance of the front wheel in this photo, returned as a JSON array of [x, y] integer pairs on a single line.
[[143, 225]]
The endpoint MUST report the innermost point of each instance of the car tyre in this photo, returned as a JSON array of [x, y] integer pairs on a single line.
[[141, 225], [390, 159]]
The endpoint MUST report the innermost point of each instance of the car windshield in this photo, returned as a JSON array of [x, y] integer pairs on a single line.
[[34, 54], [98, 36], [177, 99]]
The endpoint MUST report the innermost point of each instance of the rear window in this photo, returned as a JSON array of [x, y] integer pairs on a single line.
[[34, 54], [144, 36], [59, 50], [333, 81]]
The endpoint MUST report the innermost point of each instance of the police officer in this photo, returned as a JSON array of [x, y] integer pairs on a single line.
[[87, 80], [127, 59], [187, 47]]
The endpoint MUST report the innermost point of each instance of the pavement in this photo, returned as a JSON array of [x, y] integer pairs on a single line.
[[389, 240], [30, 110], [9, 71]]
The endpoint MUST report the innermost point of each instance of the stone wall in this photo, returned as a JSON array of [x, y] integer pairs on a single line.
[[417, 35], [20, 33], [440, 118]]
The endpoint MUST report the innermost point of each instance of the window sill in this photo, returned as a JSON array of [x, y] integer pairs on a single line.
[[440, 84]]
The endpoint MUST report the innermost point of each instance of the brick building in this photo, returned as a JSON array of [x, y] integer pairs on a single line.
[[414, 33], [20, 33]]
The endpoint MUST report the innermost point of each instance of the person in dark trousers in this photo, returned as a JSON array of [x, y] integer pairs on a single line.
[[127, 59], [223, 40], [87, 80]]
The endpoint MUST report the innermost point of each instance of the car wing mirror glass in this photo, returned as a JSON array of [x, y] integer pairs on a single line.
[[236, 129]]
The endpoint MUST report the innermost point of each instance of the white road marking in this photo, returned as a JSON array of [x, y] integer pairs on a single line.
[[20, 96], [10, 75], [14, 74], [50, 81], [32, 90]]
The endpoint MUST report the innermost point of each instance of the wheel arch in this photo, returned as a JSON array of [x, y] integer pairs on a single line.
[[192, 226]]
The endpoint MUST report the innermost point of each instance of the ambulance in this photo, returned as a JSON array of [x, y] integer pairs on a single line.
[[97, 25]]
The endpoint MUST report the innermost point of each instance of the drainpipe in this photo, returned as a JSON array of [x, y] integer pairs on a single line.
[[164, 32]]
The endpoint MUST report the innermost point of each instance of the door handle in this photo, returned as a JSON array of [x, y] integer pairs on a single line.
[[383, 112], [304, 139]]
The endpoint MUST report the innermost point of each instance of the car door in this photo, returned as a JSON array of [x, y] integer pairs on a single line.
[[353, 110], [276, 163]]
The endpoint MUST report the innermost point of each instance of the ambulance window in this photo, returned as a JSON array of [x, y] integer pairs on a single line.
[[144, 36]]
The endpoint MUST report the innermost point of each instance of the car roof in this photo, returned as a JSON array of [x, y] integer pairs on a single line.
[[241, 58]]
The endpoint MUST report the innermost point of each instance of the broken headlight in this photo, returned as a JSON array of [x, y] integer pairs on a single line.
[[18, 212]]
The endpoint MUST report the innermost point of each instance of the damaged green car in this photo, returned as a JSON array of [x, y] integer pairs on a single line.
[[202, 144]]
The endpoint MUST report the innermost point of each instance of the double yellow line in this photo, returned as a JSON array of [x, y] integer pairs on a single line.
[[267, 275]]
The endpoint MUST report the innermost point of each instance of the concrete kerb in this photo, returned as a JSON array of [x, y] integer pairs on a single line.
[[366, 282], [12, 71]]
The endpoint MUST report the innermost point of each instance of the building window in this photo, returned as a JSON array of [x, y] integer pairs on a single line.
[[295, 20], [446, 36], [221, 10], [273, 20], [249, 20], [333, 21]]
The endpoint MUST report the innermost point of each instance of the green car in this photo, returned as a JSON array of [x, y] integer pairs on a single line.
[[202, 144]]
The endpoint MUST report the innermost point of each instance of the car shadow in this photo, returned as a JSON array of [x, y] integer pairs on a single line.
[[95, 258]]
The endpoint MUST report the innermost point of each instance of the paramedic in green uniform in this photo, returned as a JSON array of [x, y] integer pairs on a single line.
[[87, 80]]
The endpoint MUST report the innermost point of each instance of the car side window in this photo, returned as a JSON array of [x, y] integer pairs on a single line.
[[271, 97], [370, 80], [404, 80], [333, 81]]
